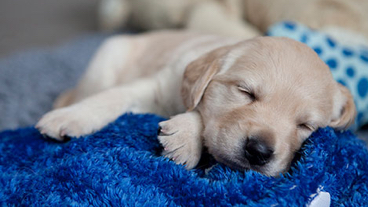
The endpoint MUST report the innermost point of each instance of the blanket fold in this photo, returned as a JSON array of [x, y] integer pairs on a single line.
[[121, 166]]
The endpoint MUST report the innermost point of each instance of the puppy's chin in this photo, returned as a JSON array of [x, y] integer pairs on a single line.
[[243, 165], [235, 164]]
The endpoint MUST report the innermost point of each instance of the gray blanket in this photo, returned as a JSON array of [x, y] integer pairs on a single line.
[[31, 80]]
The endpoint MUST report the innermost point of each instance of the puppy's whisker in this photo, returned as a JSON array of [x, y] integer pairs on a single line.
[[196, 78]]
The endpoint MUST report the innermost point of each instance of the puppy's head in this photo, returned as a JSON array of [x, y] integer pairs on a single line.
[[260, 99]]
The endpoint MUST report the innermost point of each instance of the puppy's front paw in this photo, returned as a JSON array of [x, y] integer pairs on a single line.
[[69, 122], [181, 138]]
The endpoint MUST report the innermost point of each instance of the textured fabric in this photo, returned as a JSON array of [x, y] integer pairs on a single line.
[[121, 166], [31, 80], [348, 63]]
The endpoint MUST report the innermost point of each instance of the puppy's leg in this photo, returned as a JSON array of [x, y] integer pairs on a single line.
[[107, 67], [93, 113], [65, 99], [181, 138]]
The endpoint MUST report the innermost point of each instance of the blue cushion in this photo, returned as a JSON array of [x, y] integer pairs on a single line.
[[348, 63], [121, 166]]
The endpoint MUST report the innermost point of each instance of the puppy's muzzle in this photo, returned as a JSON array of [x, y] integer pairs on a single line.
[[257, 152]]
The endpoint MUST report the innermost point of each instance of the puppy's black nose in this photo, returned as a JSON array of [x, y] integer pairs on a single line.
[[159, 130], [257, 152]]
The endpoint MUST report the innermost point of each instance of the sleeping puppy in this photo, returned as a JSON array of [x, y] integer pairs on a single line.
[[252, 103]]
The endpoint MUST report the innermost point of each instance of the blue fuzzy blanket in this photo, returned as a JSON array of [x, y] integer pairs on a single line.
[[121, 166]]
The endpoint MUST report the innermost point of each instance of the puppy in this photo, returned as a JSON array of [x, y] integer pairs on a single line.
[[252, 103]]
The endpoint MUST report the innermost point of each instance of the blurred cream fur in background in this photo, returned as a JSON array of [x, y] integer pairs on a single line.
[[342, 19]]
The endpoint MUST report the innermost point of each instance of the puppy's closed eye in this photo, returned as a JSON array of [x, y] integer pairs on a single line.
[[247, 92], [306, 126]]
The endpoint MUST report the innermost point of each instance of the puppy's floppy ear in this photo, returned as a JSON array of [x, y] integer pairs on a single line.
[[198, 75], [346, 110]]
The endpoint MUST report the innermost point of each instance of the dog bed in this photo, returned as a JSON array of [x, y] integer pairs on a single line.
[[348, 63], [121, 166]]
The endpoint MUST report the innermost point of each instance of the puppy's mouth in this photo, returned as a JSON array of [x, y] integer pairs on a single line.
[[236, 164], [241, 164]]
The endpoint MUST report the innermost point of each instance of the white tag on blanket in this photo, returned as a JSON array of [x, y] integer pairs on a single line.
[[323, 199]]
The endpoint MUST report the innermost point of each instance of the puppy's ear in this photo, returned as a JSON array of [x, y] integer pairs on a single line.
[[345, 110], [198, 75]]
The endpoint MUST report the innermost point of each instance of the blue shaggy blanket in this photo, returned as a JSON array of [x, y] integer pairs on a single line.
[[121, 166]]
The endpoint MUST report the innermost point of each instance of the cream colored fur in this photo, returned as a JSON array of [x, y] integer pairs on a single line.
[[220, 91], [239, 18]]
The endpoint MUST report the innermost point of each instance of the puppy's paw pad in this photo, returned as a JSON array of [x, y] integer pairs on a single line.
[[66, 122], [181, 139]]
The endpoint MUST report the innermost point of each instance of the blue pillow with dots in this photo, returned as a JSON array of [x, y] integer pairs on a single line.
[[348, 63]]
